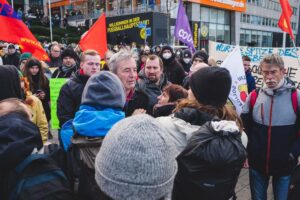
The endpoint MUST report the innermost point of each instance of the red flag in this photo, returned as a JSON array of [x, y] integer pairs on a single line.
[[14, 30], [95, 38], [285, 19]]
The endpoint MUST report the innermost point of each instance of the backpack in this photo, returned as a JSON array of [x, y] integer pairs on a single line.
[[209, 166], [294, 97], [36, 177], [294, 187], [81, 170]]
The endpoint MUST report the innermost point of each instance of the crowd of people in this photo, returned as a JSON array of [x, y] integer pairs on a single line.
[[143, 123]]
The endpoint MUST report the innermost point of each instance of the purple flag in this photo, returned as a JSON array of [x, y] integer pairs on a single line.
[[182, 29]]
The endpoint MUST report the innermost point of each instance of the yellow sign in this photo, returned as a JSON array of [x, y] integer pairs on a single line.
[[143, 33], [126, 24], [204, 30]]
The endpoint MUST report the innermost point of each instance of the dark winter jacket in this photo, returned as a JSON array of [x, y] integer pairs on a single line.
[[12, 59], [272, 131], [174, 70], [54, 62], [59, 73], [250, 81], [146, 93], [209, 166], [18, 138], [164, 110], [69, 98], [46, 88]]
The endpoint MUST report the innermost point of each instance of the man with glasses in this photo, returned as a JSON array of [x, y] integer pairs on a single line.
[[55, 60], [70, 94], [271, 123]]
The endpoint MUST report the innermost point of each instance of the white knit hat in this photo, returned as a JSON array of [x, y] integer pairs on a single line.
[[136, 160]]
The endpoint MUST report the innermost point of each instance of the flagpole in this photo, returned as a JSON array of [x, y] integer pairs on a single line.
[[50, 21], [12, 4], [284, 40]]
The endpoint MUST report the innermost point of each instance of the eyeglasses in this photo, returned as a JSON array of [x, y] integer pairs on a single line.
[[55, 51]]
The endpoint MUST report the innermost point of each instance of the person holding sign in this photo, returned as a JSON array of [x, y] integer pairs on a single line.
[[271, 123]]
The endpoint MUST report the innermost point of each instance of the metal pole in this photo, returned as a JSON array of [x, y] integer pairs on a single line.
[[283, 39], [50, 21], [12, 4]]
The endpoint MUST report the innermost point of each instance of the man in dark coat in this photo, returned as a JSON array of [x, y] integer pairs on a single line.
[[55, 59], [69, 64], [250, 79], [172, 68], [12, 57], [70, 94], [151, 82]]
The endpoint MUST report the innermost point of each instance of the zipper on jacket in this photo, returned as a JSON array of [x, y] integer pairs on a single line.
[[269, 136], [262, 113]]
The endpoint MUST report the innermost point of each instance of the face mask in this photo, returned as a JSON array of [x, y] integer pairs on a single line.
[[167, 56], [186, 60]]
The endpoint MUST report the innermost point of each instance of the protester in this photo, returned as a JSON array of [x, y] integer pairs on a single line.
[[26, 173], [9, 82], [186, 60], [12, 57], [195, 67], [271, 123], [35, 106], [23, 59], [172, 68], [101, 107], [69, 98], [39, 84], [168, 100], [149, 86], [208, 135], [143, 164], [250, 79], [55, 58], [68, 66], [124, 66], [108, 54], [204, 103]]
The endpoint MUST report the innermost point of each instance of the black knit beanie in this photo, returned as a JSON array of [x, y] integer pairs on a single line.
[[202, 55], [69, 53], [167, 47], [211, 85]]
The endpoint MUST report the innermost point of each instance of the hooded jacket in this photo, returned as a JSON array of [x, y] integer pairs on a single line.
[[17, 140], [173, 70], [12, 59], [69, 98], [272, 130], [9, 82]]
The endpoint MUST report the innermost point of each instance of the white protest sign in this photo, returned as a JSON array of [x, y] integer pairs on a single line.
[[238, 92], [289, 55]]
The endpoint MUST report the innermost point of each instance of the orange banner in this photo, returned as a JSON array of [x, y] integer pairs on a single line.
[[236, 5]]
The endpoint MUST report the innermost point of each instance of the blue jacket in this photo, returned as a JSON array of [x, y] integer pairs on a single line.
[[250, 81], [272, 131], [90, 122]]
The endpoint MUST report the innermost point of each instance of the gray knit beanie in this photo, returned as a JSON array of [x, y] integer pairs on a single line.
[[105, 90], [136, 160]]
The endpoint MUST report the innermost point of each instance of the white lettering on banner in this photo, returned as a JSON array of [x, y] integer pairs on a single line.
[[290, 57], [184, 35]]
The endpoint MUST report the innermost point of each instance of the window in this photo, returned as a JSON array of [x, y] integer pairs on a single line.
[[204, 14], [213, 15], [221, 17], [220, 33], [227, 34], [212, 31]]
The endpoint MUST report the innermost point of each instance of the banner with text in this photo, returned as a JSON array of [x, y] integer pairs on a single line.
[[290, 56], [55, 85]]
